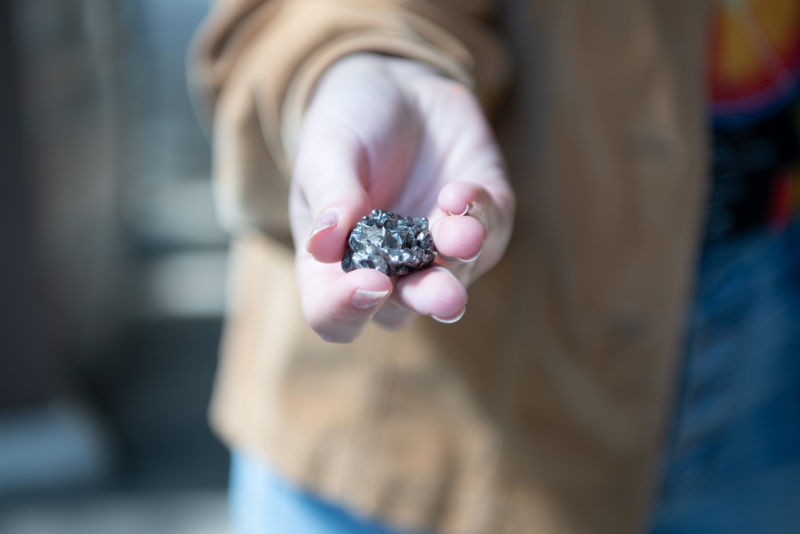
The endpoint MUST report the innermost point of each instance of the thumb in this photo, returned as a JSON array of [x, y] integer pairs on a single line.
[[328, 193]]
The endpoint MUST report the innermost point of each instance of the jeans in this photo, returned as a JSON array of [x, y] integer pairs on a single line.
[[733, 458], [261, 502]]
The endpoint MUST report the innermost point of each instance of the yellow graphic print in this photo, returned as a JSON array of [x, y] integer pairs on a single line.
[[754, 54]]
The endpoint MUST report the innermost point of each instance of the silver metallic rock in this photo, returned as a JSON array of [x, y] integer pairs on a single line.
[[390, 244]]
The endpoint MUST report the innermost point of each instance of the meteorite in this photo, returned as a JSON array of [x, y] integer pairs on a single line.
[[389, 243]]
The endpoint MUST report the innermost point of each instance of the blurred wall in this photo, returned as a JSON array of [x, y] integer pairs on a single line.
[[68, 57], [26, 373], [112, 265], [117, 166]]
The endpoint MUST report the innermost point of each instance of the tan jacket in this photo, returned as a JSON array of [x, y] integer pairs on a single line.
[[544, 409]]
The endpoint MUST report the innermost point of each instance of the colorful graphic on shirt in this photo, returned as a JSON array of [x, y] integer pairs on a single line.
[[754, 57], [754, 94]]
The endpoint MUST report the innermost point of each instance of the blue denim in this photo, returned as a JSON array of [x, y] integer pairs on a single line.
[[261, 502], [733, 460]]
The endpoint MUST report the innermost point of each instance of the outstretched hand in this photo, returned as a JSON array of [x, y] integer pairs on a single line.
[[393, 134]]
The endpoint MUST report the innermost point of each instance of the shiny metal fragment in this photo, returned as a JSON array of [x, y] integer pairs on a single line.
[[390, 244]]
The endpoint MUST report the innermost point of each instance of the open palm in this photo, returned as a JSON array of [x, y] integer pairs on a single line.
[[393, 134]]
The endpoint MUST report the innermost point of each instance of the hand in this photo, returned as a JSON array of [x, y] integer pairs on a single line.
[[393, 134]]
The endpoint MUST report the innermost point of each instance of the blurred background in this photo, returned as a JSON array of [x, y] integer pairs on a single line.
[[111, 273]]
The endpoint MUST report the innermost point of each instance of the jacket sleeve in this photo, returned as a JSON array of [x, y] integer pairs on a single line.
[[254, 64]]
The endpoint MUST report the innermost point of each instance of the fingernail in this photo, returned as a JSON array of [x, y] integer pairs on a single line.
[[473, 258], [364, 300], [453, 320], [327, 220], [453, 258], [466, 209]]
